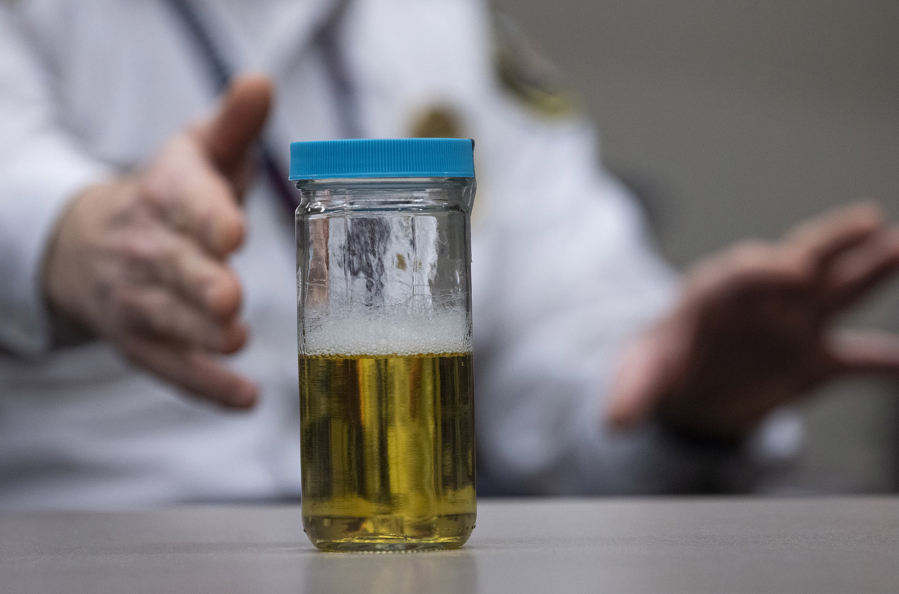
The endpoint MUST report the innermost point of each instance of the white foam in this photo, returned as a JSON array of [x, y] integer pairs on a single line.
[[377, 335]]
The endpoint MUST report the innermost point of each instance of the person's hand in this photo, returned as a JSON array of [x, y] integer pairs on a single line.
[[141, 261], [754, 329]]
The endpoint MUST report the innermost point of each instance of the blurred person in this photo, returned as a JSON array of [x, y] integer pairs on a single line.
[[137, 249]]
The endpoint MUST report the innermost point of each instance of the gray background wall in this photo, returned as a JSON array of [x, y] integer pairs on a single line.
[[739, 119]]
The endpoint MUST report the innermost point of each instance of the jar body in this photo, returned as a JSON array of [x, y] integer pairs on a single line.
[[385, 363]]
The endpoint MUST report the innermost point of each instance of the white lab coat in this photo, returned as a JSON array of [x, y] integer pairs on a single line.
[[563, 272]]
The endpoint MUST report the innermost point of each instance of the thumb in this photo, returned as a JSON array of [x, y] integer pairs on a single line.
[[231, 131]]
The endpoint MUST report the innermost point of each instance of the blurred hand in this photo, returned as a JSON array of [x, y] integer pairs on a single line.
[[142, 261], [753, 329]]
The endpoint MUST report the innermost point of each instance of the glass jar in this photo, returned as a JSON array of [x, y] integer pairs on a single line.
[[385, 349]]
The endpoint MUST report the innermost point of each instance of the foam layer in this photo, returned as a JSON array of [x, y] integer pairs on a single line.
[[355, 335]]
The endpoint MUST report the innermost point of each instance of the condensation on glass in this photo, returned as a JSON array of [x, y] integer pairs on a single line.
[[385, 362]]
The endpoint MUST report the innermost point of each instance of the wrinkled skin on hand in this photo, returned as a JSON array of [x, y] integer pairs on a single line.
[[141, 261], [754, 328]]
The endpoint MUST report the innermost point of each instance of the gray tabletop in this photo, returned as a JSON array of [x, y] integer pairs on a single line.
[[551, 545]]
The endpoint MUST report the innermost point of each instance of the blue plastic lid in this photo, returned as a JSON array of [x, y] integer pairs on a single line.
[[393, 157]]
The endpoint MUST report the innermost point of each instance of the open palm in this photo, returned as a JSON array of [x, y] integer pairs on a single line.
[[754, 328]]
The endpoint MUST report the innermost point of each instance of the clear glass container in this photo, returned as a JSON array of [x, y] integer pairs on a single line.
[[385, 362]]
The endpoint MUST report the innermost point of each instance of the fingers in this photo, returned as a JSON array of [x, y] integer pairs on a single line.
[[169, 287], [204, 282], [156, 311], [198, 373], [799, 260], [859, 271], [863, 352], [230, 133], [157, 257], [824, 238], [851, 251], [747, 267], [182, 188]]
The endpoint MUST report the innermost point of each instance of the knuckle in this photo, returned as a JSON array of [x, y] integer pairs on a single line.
[[123, 304], [229, 231], [168, 320], [155, 190], [197, 330], [183, 324], [224, 295], [136, 250], [176, 320], [141, 254], [172, 256]]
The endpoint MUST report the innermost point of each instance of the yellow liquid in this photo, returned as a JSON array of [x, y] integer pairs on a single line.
[[388, 456]]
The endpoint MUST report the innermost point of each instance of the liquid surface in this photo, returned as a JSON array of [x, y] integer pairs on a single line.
[[388, 455]]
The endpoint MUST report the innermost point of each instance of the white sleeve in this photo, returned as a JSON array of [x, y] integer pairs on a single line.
[[568, 277], [41, 168]]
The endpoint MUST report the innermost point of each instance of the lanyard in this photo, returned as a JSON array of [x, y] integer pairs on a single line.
[[326, 38]]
